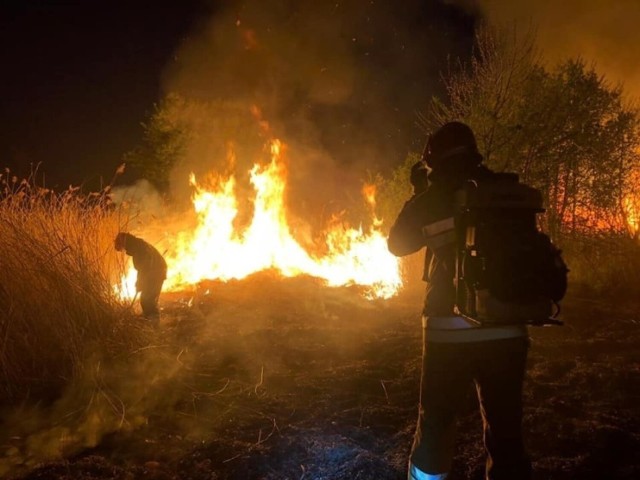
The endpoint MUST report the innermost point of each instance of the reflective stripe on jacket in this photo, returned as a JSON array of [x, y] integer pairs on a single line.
[[440, 233], [457, 329]]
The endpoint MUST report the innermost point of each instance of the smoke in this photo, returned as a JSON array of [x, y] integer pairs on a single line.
[[605, 33], [339, 82], [221, 356], [142, 194], [109, 398]]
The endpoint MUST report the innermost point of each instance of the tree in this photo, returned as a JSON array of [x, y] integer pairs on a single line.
[[488, 94], [565, 130], [163, 143]]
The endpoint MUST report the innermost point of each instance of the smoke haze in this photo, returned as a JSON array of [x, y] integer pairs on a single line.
[[339, 82], [599, 31]]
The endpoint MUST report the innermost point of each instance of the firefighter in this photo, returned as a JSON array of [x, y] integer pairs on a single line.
[[457, 351], [151, 268]]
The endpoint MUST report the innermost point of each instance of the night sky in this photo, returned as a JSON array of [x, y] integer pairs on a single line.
[[78, 78]]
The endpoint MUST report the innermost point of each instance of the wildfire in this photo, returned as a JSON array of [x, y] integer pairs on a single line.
[[216, 249], [630, 206]]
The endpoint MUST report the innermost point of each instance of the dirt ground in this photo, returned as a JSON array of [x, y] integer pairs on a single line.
[[287, 379]]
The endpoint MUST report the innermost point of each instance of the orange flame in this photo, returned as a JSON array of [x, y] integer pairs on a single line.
[[215, 249], [631, 206], [369, 192]]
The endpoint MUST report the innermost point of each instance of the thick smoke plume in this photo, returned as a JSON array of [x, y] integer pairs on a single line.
[[339, 82]]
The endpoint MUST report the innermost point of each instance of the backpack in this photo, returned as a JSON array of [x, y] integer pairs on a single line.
[[507, 270]]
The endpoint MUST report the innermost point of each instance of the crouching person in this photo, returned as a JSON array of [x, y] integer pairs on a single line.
[[151, 268]]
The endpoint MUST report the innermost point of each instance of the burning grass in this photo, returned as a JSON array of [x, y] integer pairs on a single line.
[[71, 340], [234, 361], [236, 235]]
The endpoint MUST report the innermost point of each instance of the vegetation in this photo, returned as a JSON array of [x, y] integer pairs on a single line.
[[566, 131], [57, 304], [184, 135], [70, 345], [162, 145]]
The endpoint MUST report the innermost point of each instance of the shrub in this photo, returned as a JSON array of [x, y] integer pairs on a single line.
[[604, 263]]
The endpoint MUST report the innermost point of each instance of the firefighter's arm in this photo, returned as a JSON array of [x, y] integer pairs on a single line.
[[405, 236]]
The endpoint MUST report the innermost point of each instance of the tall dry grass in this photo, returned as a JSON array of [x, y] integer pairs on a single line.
[[57, 305]]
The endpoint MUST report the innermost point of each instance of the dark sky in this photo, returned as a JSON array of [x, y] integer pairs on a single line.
[[78, 77]]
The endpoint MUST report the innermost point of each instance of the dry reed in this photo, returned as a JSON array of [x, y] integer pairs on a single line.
[[57, 304]]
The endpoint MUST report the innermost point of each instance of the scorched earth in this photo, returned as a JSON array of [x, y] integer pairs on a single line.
[[274, 379]]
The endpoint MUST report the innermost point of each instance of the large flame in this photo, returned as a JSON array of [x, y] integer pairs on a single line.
[[216, 249]]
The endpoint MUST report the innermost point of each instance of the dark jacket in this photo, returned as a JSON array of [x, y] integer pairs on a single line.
[[433, 205], [150, 264]]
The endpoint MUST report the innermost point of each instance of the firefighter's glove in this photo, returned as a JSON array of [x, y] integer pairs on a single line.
[[418, 177]]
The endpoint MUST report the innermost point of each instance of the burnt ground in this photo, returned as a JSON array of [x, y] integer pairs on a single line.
[[291, 380]]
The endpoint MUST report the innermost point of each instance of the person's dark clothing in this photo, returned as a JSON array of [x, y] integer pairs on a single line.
[[406, 235], [497, 369], [455, 352], [152, 271]]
